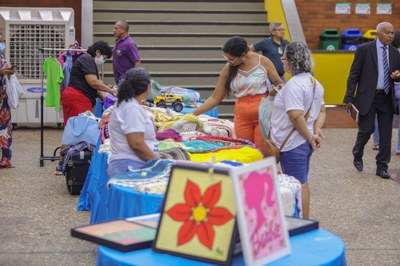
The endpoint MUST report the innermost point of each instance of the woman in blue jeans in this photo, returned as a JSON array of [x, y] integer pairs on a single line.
[[302, 94]]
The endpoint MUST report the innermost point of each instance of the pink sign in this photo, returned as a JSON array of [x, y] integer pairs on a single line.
[[262, 226]]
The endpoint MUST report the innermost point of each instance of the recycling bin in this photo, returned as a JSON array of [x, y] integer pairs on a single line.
[[330, 40], [351, 39], [368, 36]]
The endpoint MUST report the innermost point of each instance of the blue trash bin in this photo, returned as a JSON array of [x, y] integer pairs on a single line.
[[351, 39]]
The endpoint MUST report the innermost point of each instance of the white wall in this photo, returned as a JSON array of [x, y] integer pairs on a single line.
[[87, 23]]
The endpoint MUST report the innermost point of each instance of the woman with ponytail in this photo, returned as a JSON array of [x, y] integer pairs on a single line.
[[245, 75], [132, 133]]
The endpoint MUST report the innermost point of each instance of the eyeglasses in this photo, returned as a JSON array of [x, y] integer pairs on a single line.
[[230, 61], [280, 29]]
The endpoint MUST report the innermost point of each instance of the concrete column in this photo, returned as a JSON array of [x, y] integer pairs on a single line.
[[87, 23]]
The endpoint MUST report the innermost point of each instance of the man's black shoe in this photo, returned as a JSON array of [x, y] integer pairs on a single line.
[[358, 164], [383, 174]]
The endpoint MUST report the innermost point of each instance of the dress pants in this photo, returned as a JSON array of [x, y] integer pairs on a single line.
[[383, 109]]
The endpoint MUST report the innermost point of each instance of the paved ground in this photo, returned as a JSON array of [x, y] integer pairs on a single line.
[[36, 211]]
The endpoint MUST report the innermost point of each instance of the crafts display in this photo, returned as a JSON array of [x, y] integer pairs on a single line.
[[260, 216], [121, 235], [198, 215], [212, 182], [298, 226]]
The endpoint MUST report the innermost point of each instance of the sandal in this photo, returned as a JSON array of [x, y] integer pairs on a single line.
[[58, 170], [58, 173]]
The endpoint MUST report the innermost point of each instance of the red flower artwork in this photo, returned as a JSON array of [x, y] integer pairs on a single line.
[[199, 214]]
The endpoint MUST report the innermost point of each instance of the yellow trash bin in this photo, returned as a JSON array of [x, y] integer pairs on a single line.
[[369, 35]]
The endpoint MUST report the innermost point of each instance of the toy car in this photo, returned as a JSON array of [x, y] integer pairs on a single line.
[[164, 100]]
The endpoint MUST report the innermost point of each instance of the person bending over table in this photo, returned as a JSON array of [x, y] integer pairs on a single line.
[[244, 75], [289, 110], [84, 85], [132, 133]]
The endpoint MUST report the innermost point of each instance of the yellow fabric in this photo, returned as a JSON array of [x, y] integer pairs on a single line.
[[242, 155], [163, 121]]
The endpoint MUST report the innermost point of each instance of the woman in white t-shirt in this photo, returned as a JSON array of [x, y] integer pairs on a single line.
[[132, 133], [289, 109]]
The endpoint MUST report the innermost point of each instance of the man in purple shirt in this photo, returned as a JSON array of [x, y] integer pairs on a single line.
[[125, 52]]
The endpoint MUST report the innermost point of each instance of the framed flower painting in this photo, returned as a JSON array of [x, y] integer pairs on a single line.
[[260, 215], [198, 215]]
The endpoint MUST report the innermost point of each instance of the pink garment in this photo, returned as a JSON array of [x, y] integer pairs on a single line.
[[169, 134]]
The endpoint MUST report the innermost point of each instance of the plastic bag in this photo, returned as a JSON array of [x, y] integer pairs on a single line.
[[81, 128], [190, 97], [15, 85], [155, 90], [264, 114], [13, 100]]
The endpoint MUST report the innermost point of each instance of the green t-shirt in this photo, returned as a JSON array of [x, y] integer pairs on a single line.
[[52, 69]]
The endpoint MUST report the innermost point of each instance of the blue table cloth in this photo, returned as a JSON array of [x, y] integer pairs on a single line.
[[95, 183], [121, 202], [318, 247], [116, 202], [186, 109]]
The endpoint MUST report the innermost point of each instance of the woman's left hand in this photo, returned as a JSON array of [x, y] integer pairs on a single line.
[[315, 142], [274, 90]]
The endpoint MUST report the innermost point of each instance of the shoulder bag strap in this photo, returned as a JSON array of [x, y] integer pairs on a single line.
[[305, 116]]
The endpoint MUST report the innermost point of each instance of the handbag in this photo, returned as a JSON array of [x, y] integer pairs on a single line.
[[270, 148], [81, 128]]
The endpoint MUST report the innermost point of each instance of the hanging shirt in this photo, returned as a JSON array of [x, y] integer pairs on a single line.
[[67, 69], [54, 73]]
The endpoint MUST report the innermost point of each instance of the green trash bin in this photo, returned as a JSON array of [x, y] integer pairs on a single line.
[[330, 40], [369, 35]]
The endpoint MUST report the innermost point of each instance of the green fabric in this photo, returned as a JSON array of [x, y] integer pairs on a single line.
[[165, 145], [55, 76]]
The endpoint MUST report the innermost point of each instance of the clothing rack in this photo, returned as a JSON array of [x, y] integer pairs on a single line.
[[42, 51]]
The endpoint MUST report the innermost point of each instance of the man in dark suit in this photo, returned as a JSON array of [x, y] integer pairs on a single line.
[[370, 87]]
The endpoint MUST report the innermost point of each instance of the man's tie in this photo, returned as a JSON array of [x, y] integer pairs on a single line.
[[386, 75]]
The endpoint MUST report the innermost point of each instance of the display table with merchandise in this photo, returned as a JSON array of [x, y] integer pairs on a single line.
[[116, 202], [318, 247]]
